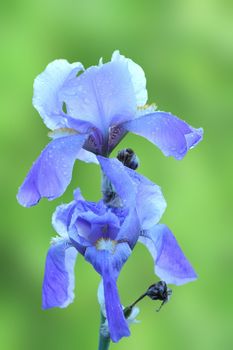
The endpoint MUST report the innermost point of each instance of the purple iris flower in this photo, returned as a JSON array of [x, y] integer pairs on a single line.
[[88, 113], [105, 235]]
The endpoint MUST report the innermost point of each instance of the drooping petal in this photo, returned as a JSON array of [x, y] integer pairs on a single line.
[[137, 76], [102, 95], [171, 265], [87, 156], [150, 203], [130, 229], [100, 296], [61, 132], [172, 135], [47, 88], [117, 323], [83, 155], [58, 284], [131, 319], [51, 173], [109, 265], [146, 109], [93, 142], [135, 190], [115, 172]]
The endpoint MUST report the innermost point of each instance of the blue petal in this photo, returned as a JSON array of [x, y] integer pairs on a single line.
[[51, 173], [116, 134], [109, 265], [150, 203], [173, 136], [171, 265], [79, 221], [137, 76], [63, 214], [130, 229], [120, 179], [117, 323], [87, 157], [47, 87], [58, 284], [135, 190], [61, 218], [93, 143], [116, 260], [102, 95], [93, 227], [78, 195]]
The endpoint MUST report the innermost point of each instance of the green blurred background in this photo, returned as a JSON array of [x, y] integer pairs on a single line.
[[186, 50]]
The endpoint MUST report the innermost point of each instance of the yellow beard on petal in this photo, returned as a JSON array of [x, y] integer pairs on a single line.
[[106, 244], [62, 132]]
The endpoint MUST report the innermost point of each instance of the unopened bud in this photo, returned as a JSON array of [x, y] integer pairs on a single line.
[[159, 291], [128, 158]]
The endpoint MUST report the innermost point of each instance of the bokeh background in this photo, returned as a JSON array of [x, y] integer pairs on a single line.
[[186, 50]]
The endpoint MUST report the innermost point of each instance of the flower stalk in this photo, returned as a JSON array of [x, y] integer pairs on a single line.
[[104, 341]]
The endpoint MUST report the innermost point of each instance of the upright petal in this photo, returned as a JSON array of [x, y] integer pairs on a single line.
[[47, 88], [171, 265], [58, 284], [102, 95], [109, 265], [61, 218], [93, 227], [80, 220], [172, 135], [63, 214], [137, 76], [51, 173]]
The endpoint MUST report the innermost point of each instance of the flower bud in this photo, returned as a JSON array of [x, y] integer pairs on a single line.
[[159, 291], [128, 158]]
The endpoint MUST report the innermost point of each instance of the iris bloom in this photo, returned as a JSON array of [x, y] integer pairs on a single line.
[[88, 113], [106, 235]]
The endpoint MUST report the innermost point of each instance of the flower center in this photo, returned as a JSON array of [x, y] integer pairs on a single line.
[[106, 244]]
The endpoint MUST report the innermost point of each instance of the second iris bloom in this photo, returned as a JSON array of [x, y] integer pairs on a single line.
[[105, 235]]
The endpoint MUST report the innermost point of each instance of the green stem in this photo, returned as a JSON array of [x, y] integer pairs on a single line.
[[104, 342], [140, 298]]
